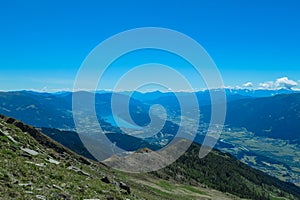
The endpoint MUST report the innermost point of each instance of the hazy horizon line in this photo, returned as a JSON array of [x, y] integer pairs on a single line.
[[151, 91]]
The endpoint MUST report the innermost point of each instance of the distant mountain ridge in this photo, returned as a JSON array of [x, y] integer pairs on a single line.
[[38, 109], [276, 117], [55, 109], [271, 116]]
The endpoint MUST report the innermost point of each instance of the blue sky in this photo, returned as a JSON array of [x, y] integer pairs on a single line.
[[43, 43]]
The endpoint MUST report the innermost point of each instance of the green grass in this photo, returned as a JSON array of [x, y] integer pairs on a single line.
[[193, 189], [3, 138], [166, 185]]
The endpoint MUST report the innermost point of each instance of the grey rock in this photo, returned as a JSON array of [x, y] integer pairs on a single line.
[[78, 170], [62, 196], [25, 184], [29, 151], [57, 187], [8, 136], [40, 197], [50, 160], [36, 164]]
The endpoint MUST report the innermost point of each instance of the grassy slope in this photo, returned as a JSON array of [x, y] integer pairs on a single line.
[[223, 172]]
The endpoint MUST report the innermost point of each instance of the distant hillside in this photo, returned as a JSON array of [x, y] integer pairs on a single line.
[[38, 109], [275, 117], [55, 110], [71, 140]]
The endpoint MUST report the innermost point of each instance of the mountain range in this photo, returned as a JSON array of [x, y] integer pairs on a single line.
[[271, 116]]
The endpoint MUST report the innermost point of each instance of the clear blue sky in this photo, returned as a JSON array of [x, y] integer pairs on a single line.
[[43, 43]]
